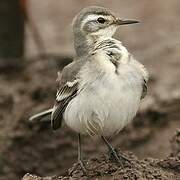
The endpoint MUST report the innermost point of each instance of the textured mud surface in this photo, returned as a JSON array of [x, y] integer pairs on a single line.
[[103, 168], [35, 149], [148, 168]]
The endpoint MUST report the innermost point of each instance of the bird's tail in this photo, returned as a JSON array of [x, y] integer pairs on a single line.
[[44, 116]]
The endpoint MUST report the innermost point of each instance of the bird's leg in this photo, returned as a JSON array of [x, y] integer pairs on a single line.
[[80, 155], [114, 153]]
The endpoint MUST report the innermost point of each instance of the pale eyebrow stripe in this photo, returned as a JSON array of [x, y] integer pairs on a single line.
[[93, 17]]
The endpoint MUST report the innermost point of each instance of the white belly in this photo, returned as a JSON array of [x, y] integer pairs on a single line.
[[105, 106]]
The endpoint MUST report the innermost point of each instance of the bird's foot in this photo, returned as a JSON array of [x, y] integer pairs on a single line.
[[76, 168], [122, 156], [118, 157], [83, 168]]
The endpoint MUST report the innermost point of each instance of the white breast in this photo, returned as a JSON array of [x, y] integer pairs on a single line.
[[106, 101]]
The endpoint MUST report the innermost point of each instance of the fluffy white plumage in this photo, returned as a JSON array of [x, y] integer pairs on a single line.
[[107, 99]]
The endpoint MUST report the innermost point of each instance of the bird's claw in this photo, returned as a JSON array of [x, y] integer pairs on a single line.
[[118, 157], [83, 168]]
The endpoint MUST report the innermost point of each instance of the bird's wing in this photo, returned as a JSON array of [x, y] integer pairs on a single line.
[[144, 91], [68, 87], [144, 73], [64, 95]]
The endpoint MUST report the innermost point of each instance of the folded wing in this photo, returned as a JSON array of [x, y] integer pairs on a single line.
[[64, 95]]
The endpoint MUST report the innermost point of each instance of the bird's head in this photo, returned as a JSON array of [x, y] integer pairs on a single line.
[[93, 24], [97, 21]]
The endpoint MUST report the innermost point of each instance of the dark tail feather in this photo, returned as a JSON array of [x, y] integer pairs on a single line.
[[56, 118], [44, 116]]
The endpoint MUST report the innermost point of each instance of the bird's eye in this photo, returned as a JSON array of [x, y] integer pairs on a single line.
[[101, 20]]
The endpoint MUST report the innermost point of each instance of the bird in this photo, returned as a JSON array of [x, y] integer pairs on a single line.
[[100, 92]]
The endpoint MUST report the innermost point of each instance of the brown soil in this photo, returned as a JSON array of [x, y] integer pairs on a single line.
[[34, 148], [103, 168]]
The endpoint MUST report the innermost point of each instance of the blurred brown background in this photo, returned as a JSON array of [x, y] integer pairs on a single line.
[[155, 42]]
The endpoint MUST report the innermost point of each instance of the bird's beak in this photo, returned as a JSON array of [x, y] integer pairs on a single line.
[[125, 21]]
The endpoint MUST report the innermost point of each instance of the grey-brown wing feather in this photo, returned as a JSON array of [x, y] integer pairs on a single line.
[[64, 95], [144, 91], [68, 87]]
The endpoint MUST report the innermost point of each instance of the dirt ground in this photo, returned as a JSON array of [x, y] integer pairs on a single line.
[[151, 141], [148, 168]]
